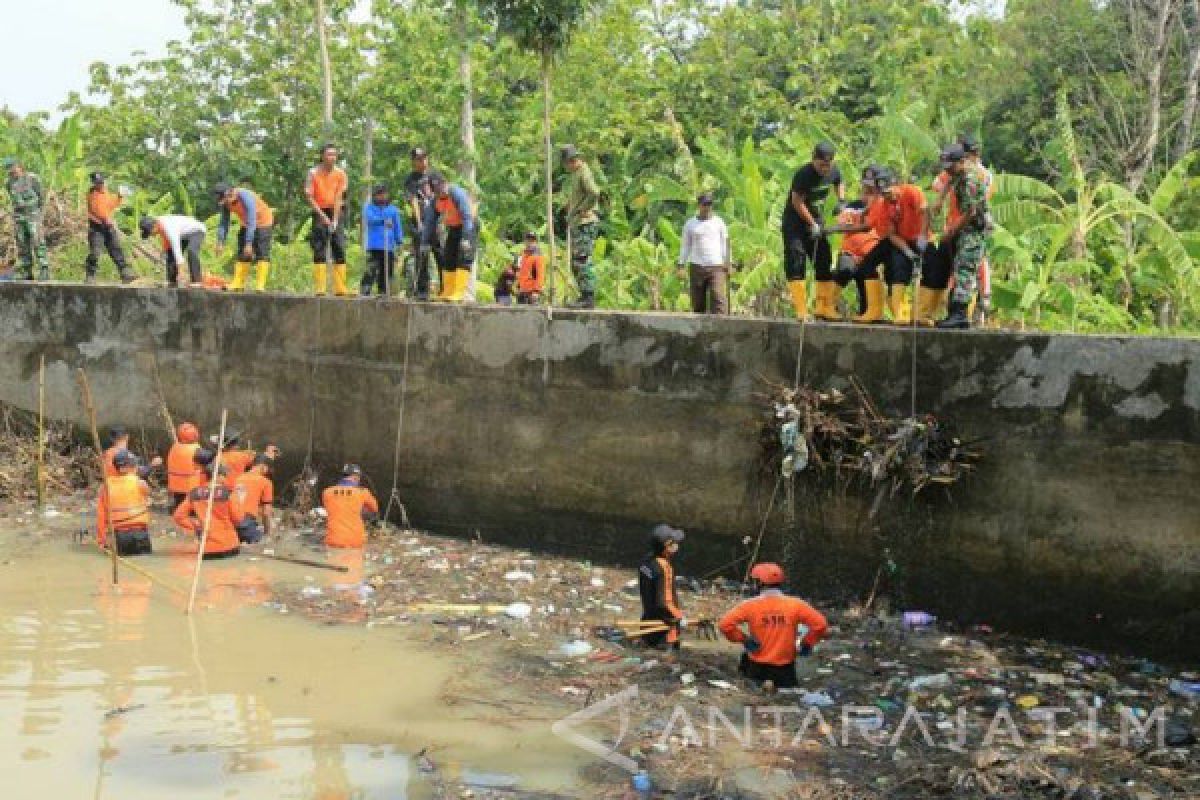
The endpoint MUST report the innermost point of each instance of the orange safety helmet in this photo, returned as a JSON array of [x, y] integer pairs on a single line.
[[768, 574], [188, 433]]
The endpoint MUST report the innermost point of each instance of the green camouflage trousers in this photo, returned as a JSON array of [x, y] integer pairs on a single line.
[[30, 243], [583, 241], [969, 251]]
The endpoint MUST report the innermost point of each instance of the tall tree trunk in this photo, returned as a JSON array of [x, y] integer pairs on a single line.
[[1183, 144], [326, 72], [547, 66], [1142, 157], [368, 168], [467, 123]]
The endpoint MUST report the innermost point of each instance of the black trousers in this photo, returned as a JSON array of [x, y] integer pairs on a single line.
[[937, 264], [452, 250], [784, 677], [260, 248], [134, 542], [103, 238], [190, 245], [897, 269], [798, 247], [381, 267], [325, 242], [222, 554]]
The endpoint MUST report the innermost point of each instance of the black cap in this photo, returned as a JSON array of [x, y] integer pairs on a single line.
[[96, 177], [825, 151], [379, 188], [351, 469], [531, 236], [232, 435], [662, 534], [969, 144], [123, 459], [146, 226], [203, 456], [418, 152], [705, 199], [263, 460], [116, 432], [221, 189], [568, 152], [437, 179], [884, 179], [952, 154]]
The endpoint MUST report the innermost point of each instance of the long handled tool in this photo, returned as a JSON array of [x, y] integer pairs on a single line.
[[212, 491], [91, 412], [41, 451], [308, 562]]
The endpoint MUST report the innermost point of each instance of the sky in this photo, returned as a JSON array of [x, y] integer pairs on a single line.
[[49, 44]]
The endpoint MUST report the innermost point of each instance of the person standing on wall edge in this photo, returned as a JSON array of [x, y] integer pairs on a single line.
[[102, 234], [656, 584], [803, 237], [28, 200], [531, 272], [325, 188], [182, 238], [705, 251], [385, 235], [453, 208], [583, 223], [968, 236], [419, 196], [254, 237]]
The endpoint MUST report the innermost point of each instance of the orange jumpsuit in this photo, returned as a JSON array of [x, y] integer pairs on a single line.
[[226, 514], [345, 503], [772, 618]]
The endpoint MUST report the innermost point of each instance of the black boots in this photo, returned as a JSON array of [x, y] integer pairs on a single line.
[[586, 300], [957, 320]]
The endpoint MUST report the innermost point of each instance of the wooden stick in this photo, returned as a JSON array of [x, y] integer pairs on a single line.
[[162, 399], [640, 623], [646, 632], [91, 412], [41, 451], [147, 574], [306, 562], [212, 493]]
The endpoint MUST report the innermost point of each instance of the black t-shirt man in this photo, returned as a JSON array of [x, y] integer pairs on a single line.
[[813, 189]]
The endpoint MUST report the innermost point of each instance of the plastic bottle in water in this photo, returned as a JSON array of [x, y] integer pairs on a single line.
[[1188, 689], [641, 784], [918, 619]]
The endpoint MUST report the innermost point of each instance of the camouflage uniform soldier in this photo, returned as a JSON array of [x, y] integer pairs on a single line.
[[583, 198], [969, 234], [25, 191]]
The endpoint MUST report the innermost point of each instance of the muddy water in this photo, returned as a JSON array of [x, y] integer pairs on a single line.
[[112, 692]]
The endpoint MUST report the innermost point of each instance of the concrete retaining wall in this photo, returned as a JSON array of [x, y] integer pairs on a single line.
[[578, 432]]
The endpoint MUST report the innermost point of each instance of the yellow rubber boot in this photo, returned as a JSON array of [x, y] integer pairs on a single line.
[[873, 289], [799, 292], [458, 284], [339, 280], [827, 292], [899, 303], [261, 273], [241, 271], [929, 303], [320, 279]]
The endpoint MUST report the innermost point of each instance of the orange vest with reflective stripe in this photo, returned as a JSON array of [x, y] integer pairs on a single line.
[[125, 501], [183, 473]]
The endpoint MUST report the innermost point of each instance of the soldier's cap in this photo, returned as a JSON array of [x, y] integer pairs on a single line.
[[705, 199], [10, 162], [824, 151], [123, 459], [953, 154], [379, 188], [969, 144], [146, 226], [418, 152], [569, 152], [221, 189], [662, 534]]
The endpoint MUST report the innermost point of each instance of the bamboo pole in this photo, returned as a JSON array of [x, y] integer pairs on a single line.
[[162, 400], [145, 573], [308, 562], [91, 412], [41, 451], [212, 491]]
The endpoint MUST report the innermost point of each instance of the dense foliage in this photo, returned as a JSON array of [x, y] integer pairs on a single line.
[[1086, 108]]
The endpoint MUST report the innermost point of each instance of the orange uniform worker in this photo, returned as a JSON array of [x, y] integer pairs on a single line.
[[901, 220], [772, 619], [183, 473], [236, 460], [346, 503], [124, 504], [254, 237], [656, 584], [102, 234], [223, 539], [118, 440], [531, 272], [325, 187], [256, 495], [855, 245]]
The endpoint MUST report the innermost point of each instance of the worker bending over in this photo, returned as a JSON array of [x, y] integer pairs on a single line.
[[102, 234], [347, 505], [656, 583], [124, 505], [325, 186], [254, 238], [769, 638], [181, 238], [453, 208], [531, 272], [255, 494], [183, 473], [237, 459], [222, 539]]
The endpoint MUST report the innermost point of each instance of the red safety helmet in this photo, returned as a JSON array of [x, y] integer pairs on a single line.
[[767, 573], [189, 433]]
